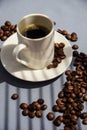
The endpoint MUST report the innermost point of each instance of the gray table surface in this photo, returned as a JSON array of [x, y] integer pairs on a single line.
[[68, 14]]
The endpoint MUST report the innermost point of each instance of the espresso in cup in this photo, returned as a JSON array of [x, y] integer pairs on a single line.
[[35, 31], [35, 48]]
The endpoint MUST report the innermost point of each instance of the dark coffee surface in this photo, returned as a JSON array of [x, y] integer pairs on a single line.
[[35, 31]]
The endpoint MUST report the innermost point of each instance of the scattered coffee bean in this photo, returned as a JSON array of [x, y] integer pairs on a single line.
[[85, 97], [84, 121], [40, 101], [25, 112], [7, 23], [68, 36], [24, 106], [38, 113], [31, 114], [50, 116], [83, 115], [75, 47], [57, 122], [14, 96], [43, 107], [74, 36]]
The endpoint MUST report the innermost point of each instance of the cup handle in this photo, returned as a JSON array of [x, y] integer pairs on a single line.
[[16, 52]]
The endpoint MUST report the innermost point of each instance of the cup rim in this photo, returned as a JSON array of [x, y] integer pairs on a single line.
[[36, 39]]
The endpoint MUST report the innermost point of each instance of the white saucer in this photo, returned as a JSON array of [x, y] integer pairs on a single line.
[[20, 71]]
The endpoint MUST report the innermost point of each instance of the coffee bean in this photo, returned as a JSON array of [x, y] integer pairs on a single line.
[[74, 36], [59, 31], [3, 38], [50, 116], [25, 112], [85, 97], [68, 72], [84, 121], [64, 32], [43, 107], [31, 114], [75, 47], [14, 96], [35, 106], [61, 94], [60, 118], [40, 101], [24, 106], [83, 115], [55, 108], [74, 118], [57, 122], [38, 113], [75, 53], [7, 23], [68, 36]]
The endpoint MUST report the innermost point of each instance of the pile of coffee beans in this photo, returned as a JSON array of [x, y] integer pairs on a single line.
[[7, 30], [72, 37], [58, 55], [35, 109], [70, 101]]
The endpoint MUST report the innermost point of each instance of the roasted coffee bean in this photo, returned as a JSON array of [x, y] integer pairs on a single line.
[[75, 47], [59, 31], [61, 45], [14, 96], [83, 115], [68, 72], [31, 114], [50, 116], [31, 107], [55, 108], [25, 112], [43, 107], [68, 36], [60, 117], [84, 121], [61, 94], [74, 36], [57, 122], [40, 101], [38, 113], [3, 38], [36, 106], [85, 97], [7, 23], [64, 32], [74, 118], [24, 106], [75, 53]]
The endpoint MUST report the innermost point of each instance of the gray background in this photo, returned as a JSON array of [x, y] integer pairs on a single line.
[[68, 14]]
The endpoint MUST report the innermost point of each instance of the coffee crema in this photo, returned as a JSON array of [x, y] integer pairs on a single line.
[[35, 31]]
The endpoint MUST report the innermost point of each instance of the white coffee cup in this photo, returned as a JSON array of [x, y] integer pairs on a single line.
[[35, 53]]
